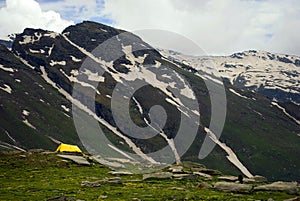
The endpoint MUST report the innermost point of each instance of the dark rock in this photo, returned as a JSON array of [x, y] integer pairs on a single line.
[[229, 66], [240, 178], [252, 51], [238, 55], [284, 59], [297, 62]]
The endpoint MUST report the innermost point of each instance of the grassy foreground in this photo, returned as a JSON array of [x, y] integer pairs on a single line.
[[42, 176]]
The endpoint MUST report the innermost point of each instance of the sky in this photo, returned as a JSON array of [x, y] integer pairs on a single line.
[[220, 27]]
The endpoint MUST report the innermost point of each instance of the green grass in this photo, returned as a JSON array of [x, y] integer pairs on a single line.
[[37, 176]]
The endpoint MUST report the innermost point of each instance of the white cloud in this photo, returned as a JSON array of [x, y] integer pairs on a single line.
[[218, 26], [19, 14]]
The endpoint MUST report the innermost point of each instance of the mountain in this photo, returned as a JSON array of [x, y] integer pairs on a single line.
[[52, 90], [275, 75]]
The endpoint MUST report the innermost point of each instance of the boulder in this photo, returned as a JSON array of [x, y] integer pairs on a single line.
[[287, 187], [228, 178], [207, 171], [204, 185], [77, 159], [185, 176], [158, 175], [233, 187], [258, 179], [203, 175], [113, 180], [120, 173], [176, 169]]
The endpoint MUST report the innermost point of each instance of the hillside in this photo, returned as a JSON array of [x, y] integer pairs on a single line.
[[48, 98]]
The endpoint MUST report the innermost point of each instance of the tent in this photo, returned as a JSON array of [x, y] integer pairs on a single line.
[[68, 148]]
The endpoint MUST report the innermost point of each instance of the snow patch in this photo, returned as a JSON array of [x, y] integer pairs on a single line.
[[285, 112], [74, 72], [93, 76], [51, 35], [34, 51], [62, 63], [50, 50], [10, 137], [17, 80], [138, 105], [25, 113], [54, 140], [72, 78], [75, 59], [25, 62], [236, 93], [6, 69], [29, 124], [30, 39], [120, 151], [103, 30], [6, 145], [65, 108], [232, 157], [6, 88]]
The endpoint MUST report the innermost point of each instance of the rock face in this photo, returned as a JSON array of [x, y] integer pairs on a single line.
[[287, 187], [233, 187]]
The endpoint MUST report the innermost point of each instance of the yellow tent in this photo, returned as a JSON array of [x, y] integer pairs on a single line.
[[68, 148]]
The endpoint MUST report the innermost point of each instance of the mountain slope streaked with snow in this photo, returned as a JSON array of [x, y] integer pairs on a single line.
[[275, 75]]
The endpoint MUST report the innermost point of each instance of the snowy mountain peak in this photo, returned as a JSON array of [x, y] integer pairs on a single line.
[[276, 75]]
